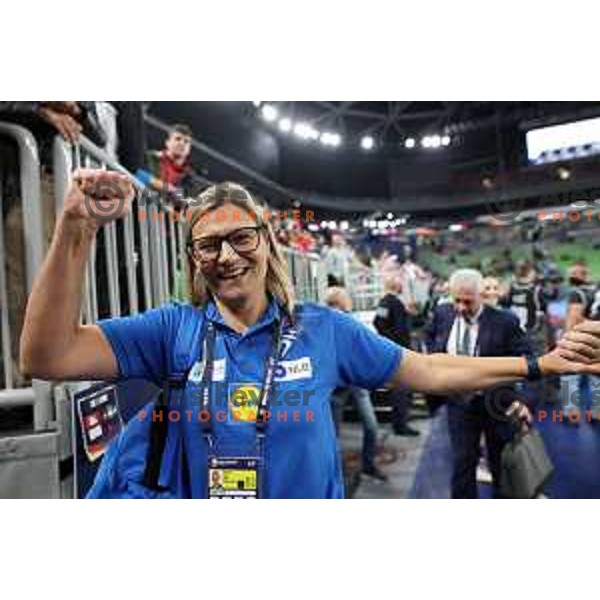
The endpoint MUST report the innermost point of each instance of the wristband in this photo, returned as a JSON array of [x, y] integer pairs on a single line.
[[534, 373]]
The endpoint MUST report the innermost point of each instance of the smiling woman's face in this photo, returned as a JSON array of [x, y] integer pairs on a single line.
[[233, 276], [491, 291]]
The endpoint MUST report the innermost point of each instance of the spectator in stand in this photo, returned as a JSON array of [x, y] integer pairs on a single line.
[[491, 291], [525, 297], [61, 117], [300, 239], [387, 262], [337, 260], [438, 295], [169, 171], [339, 299], [393, 322], [413, 275]]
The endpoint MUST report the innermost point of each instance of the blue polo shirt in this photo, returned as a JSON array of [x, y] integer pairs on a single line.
[[324, 349]]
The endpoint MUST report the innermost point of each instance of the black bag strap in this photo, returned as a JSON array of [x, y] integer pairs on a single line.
[[158, 433], [160, 421]]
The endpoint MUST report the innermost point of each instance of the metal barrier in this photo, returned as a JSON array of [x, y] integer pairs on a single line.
[[152, 238], [40, 393], [365, 287], [307, 275]]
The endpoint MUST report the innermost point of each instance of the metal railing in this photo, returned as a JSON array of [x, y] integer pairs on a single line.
[[365, 286], [307, 275], [40, 393], [151, 252]]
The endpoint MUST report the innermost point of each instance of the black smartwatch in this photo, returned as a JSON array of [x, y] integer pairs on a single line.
[[534, 373]]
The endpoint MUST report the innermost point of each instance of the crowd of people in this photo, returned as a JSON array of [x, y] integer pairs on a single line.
[[475, 314]]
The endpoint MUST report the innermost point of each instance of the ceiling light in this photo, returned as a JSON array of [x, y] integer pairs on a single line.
[[426, 142], [285, 124], [330, 139], [303, 130], [409, 143], [269, 112], [446, 140], [563, 173], [325, 138], [436, 141], [367, 143]]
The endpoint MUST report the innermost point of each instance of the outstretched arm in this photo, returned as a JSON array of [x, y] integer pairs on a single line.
[[446, 374]]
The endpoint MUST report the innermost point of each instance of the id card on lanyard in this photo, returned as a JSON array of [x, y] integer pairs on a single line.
[[237, 477], [234, 478]]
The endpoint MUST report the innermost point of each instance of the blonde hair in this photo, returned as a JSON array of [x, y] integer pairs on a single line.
[[278, 283]]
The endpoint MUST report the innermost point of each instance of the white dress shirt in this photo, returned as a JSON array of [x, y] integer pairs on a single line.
[[458, 331]]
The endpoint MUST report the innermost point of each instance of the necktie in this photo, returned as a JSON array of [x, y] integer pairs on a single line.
[[465, 348]]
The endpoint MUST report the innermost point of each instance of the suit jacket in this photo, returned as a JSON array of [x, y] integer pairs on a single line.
[[499, 334]]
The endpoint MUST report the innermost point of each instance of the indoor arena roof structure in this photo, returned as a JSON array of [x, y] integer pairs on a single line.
[[417, 157]]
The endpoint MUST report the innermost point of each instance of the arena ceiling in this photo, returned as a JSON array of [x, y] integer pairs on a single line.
[[391, 123], [484, 158]]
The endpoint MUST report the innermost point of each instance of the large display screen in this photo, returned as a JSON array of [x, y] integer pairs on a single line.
[[563, 142]]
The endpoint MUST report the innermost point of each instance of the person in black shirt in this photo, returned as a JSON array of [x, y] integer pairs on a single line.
[[392, 321], [525, 297]]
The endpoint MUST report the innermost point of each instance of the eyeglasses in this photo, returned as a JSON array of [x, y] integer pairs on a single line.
[[208, 249]]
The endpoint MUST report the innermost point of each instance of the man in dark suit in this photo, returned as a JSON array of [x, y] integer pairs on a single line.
[[468, 327]]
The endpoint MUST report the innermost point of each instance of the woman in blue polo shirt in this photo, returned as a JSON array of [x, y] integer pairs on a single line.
[[241, 337]]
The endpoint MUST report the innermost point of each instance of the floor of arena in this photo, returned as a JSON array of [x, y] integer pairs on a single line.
[[420, 467]]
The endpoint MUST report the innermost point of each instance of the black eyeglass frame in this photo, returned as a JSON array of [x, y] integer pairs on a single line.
[[220, 239]]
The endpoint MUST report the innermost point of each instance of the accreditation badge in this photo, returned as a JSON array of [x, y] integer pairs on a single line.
[[234, 478]]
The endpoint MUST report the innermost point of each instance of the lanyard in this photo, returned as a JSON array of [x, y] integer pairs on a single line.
[[267, 386]]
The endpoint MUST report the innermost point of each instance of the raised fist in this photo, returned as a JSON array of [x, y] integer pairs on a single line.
[[97, 197]]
